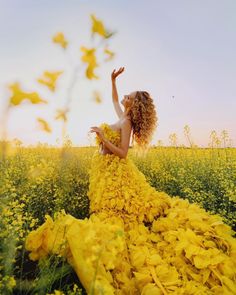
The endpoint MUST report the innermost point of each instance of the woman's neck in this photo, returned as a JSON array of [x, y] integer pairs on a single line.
[[126, 113], [125, 116]]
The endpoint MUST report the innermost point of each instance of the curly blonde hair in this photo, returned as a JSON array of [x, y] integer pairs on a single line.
[[144, 120]]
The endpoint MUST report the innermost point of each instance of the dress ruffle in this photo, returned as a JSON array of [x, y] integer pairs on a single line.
[[138, 240], [121, 189]]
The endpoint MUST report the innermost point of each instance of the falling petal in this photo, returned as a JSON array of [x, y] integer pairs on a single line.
[[50, 79], [89, 57], [99, 28], [110, 54], [61, 114], [97, 97], [60, 39], [44, 125], [18, 95]]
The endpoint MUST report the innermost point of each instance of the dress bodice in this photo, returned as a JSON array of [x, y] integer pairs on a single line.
[[112, 135]]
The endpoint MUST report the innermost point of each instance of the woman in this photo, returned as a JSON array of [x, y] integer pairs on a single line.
[[138, 240], [139, 115]]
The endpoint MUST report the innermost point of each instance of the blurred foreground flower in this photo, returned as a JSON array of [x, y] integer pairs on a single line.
[[89, 57], [62, 114], [19, 95], [44, 125], [97, 97], [110, 54], [60, 39], [49, 79], [99, 28]]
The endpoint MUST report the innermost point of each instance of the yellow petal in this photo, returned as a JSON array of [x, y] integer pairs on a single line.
[[99, 28], [49, 79], [18, 95], [44, 125], [60, 39]]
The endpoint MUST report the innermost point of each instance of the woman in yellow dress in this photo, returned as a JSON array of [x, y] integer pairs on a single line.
[[138, 240]]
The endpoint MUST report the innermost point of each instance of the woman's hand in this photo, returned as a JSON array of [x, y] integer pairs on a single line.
[[115, 73], [98, 131]]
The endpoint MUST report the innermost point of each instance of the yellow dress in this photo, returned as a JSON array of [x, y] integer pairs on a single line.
[[138, 240]]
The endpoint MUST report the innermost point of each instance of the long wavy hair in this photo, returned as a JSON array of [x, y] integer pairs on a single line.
[[144, 120]]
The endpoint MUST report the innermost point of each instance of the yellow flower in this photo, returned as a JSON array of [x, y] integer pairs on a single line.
[[62, 114], [33, 222], [98, 27], [90, 72], [19, 95], [44, 125], [60, 39], [97, 97], [11, 283], [56, 292], [110, 54], [50, 79], [89, 57]]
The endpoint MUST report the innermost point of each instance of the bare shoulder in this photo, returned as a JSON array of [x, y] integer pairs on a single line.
[[126, 126]]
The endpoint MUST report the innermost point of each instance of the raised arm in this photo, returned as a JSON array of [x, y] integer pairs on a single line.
[[115, 98]]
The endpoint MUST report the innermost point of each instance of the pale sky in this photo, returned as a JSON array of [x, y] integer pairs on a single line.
[[180, 48]]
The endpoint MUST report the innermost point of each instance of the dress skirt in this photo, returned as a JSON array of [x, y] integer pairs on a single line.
[[138, 240]]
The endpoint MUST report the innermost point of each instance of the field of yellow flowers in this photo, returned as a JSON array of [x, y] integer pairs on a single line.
[[39, 181]]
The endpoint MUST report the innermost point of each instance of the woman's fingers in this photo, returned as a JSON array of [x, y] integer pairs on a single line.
[[121, 69], [115, 73]]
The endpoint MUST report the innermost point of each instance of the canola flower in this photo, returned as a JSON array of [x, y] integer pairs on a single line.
[[59, 38], [7, 283], [18, 95], [35, 178], [44, 125], [74, 291], [13, 229], [99, 28], [49, 79], [97, 97], [61, 114], [110, 54], [89, 57]]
